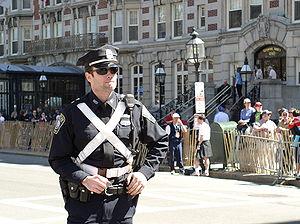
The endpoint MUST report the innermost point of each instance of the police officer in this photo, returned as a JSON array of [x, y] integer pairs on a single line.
[[95, 147]]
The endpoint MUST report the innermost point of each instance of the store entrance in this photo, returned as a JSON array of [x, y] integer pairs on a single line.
[[271, 56]]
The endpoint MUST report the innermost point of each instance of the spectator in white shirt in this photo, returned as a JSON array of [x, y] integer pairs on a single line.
[[221, 116], [204, 151], [259, 73], [272, 73]]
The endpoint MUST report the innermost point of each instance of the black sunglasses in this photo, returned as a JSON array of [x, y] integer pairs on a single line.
[[104, 70]]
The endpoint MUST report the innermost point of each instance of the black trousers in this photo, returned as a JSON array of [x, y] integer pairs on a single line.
[[239, 90], [102, 209]]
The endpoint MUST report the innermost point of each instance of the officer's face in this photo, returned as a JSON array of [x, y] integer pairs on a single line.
[[101, 82]]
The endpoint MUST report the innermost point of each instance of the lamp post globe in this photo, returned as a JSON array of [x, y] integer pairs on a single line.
[[245, 71], [160, 76], [195, 50]]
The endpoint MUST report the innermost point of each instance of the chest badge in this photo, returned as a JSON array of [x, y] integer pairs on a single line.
[[59, 123]]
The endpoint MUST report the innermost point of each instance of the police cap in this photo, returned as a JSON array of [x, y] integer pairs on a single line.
[[102, 56]]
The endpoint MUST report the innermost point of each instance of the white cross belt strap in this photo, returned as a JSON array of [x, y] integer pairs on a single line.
[[105, 132]]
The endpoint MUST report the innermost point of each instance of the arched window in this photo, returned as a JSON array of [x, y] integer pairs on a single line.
[[159, 88], [137, 82]]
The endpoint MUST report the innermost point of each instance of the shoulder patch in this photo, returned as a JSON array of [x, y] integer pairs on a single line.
[[146, 114], [61, 120]]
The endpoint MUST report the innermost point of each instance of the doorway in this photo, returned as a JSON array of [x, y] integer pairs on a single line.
[[271, 56]]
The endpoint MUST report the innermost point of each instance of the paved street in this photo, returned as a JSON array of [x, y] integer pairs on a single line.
[[30, 195]]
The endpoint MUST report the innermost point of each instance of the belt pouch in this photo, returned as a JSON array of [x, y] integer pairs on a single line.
[[83, 194], [73, 190]]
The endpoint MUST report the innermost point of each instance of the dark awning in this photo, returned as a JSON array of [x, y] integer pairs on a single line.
[[62, 70]]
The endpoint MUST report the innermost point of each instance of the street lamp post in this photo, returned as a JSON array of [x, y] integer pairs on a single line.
[[43, 82], [195, 51], [245, 70], [160, 76]]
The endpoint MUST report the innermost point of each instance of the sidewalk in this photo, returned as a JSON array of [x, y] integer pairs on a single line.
[[250, 177]]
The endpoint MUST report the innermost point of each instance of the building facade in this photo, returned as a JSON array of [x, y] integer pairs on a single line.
[[57, 32]]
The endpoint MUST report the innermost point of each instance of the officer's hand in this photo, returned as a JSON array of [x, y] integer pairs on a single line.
[[96, 183], [136, 183]]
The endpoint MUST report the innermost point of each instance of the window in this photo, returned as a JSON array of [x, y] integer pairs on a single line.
[[133, 24], [4, 96], [138, 88], [201, 16], [255, 8], [1, 10], [26, 38], [119, 88], [207, 71], [1, 43], [78, 26], [57, 2], [91, 24], [235, 14], [181, 69], [177, 20], [296, 11], [117, 26], [14, 4], [26, 4], [14, 40], [58, 29], [160, 22], [46, 31]]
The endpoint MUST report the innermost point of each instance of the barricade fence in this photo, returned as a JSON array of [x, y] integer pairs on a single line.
[[271, 155], [26, 137]]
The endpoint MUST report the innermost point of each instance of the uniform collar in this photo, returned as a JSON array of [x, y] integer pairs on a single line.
[[112, 100]]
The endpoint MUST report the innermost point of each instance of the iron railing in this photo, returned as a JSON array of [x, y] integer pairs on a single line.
[[66, 44]]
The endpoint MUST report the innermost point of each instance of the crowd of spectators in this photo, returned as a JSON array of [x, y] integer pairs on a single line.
[[36, 115]]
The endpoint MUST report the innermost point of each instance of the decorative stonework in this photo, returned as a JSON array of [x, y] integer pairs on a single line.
[[263, 26]]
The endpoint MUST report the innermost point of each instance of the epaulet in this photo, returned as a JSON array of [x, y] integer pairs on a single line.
[[75, 100]]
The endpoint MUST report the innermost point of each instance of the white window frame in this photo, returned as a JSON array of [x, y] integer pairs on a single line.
[[30, 2], [228, 12], [181, 73], [78, 26], [293, 11], [137, 76], [255, 4], [57, 29], [174, 19], [46, 31], [134, 24], [160, 20], [117, 15], [14, 38], [24, 38], [205, 71], [91, 23], [201, 14], [297, 71], [12, 5]]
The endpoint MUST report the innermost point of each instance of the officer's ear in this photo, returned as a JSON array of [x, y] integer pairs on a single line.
[[88, 76]]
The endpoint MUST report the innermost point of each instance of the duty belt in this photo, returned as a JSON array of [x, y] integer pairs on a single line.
[[81, 193]]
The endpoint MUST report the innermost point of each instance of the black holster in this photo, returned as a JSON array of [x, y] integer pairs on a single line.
[[64, 188]]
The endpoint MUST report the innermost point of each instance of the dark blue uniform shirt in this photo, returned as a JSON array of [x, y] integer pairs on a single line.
[[74, 131]]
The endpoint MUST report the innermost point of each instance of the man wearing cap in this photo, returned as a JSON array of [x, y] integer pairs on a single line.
[[221, 116], [265, 128], [245, 115], [175, 130], [95, 147]]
